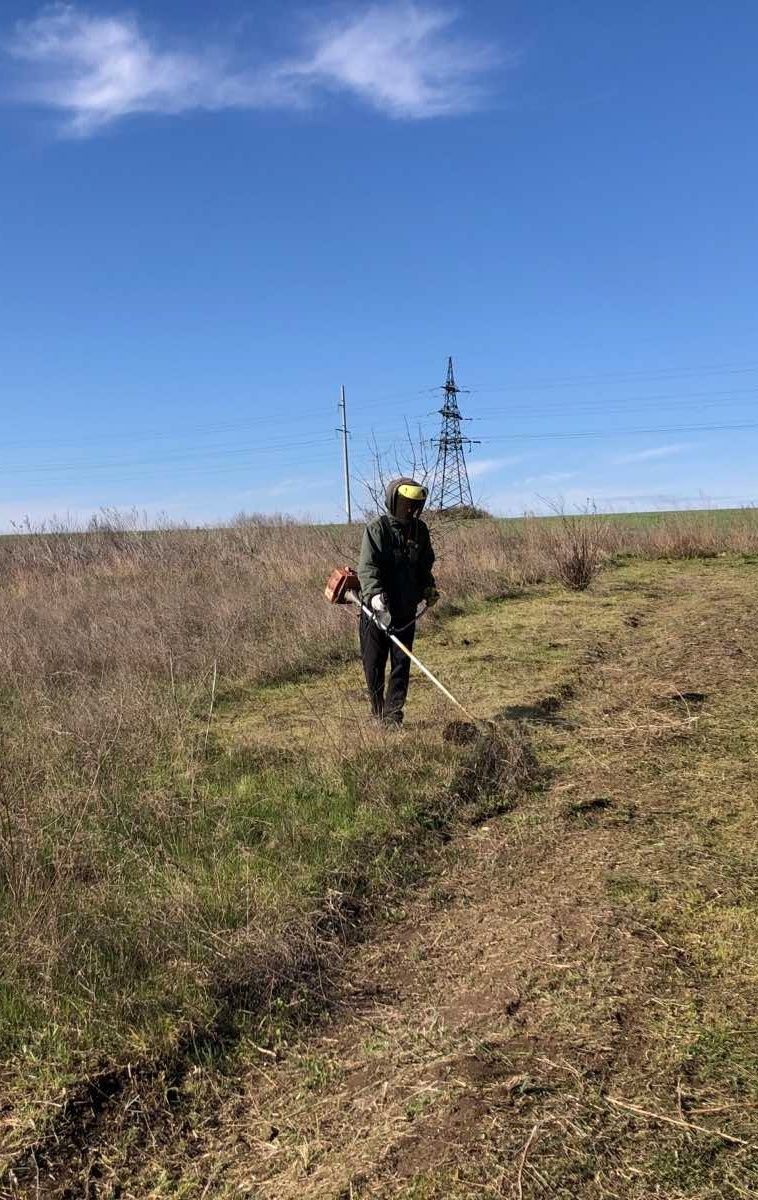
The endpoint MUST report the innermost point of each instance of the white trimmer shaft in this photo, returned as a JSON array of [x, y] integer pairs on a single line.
[[352, 598]]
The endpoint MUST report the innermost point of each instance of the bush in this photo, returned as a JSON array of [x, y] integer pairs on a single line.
[[578, 546]]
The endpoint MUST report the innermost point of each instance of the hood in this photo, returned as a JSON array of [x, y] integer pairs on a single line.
[[391, 494]]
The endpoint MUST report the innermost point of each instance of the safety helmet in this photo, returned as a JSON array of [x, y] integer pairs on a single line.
[[405, 499]]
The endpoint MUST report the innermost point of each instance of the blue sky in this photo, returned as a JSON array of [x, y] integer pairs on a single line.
[[212, 216]]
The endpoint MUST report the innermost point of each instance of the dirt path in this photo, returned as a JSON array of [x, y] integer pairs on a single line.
[[594, 947]]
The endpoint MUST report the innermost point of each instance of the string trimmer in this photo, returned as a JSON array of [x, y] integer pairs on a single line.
[[344, 587]]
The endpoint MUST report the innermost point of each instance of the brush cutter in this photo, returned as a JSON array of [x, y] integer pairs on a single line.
[[343, 587]]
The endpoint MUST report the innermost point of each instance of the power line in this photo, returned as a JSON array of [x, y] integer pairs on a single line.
[[662, 373], [632, 404], [627, 404], [217, 457], [603, 433], [397, 399], [182, 471], [192, 457]]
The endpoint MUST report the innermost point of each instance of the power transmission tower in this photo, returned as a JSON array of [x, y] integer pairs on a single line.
[[450, 485]]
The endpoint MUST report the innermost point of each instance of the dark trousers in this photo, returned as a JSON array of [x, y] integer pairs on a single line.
[[376, 647]]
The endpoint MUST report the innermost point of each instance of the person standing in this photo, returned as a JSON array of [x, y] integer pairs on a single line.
[[395, 572]]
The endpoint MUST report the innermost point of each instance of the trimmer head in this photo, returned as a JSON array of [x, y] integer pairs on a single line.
[[340, 582]]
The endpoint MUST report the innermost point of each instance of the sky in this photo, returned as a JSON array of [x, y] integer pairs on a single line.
[[212, 216]]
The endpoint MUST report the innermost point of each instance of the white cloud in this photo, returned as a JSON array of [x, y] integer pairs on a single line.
[[653, 452], [404, 59], [668, 496], [293, 486], [548, 478], [485, 466]]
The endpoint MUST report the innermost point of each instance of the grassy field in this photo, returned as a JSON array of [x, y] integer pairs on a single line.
[[196, 818], [719, 516]]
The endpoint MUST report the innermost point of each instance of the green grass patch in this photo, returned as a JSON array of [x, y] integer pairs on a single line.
[[172, 898]]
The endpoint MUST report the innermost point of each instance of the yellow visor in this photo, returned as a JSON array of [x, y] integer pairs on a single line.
[[411, 491]]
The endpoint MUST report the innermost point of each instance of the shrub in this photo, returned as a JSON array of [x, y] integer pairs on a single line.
[[578, 546]]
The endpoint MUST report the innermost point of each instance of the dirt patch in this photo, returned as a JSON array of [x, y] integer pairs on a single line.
[[588, 808], [440, 1142]]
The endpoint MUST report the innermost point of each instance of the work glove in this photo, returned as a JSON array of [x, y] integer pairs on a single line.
[[381, 609], [431, 596]]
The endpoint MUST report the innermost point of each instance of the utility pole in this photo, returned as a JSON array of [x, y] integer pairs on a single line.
[[450, 485], [345, 456]]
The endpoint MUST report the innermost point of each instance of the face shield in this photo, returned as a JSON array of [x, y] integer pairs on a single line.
[[410, 499]]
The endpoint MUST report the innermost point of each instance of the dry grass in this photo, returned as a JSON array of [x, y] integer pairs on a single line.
[[141, 864], [579, 545], [678, 535], [568, 1008]]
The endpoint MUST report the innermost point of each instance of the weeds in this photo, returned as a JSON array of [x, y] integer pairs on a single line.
[[578, 546]]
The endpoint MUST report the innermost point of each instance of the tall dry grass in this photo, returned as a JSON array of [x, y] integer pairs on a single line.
[[130, 849], [112, 638]]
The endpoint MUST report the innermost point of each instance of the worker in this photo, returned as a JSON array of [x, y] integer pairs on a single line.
[[395, 570]]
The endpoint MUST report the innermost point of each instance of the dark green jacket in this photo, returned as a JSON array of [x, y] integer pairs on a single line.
[[398, 560]]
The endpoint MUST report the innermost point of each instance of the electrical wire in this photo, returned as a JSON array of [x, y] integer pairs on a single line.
[[628, 404], [193, 457], [604, 433], [663, 373], [397, 400], [222, 457]]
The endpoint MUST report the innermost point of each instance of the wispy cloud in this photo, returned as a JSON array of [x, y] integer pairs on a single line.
[[653, 452], [298, 486], [404, 59], [486, 466], [519, 499], [549, 478]]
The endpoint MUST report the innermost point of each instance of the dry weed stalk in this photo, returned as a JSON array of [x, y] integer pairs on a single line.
[[679, 1124], [577, 544]]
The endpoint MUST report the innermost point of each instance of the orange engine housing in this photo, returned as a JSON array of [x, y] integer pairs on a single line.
[[340, 582]]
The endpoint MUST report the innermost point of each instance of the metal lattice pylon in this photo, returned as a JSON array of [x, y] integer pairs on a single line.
[[450, 484]]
